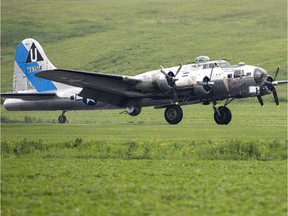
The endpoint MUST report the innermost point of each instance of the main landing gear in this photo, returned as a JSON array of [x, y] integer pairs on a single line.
[[62, 118], [223, 116], [173, 114]]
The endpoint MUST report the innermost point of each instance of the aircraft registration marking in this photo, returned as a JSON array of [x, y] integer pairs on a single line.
[[34, 68]]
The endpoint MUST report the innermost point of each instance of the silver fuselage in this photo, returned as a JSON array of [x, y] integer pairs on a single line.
[[228, 81]]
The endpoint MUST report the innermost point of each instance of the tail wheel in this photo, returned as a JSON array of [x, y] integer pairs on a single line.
[[225, 116], [133, 111], [62, 119], [173, 114]]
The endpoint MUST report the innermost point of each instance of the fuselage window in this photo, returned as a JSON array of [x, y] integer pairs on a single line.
[[237, 73], [210, 65]]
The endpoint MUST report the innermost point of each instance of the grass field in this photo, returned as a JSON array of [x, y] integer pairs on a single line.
[[104, 163], [142, 166], [84, 186]]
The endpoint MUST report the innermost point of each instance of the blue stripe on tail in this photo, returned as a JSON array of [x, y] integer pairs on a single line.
[[32, 67]]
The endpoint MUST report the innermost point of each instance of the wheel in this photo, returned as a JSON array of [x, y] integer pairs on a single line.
[[225, 116], [62, 119], [173, 114], [133, 111]]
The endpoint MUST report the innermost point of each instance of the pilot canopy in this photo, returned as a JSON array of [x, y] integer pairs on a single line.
[[201, 59]]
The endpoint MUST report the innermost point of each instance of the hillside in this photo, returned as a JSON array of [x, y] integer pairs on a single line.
[[136, 36]]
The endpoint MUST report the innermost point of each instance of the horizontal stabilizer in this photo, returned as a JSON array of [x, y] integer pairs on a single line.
[[29, 96]]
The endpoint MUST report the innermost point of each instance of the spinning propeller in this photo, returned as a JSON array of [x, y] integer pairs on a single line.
[[171, 80], [270, 82], [208, 87], [207, 83]]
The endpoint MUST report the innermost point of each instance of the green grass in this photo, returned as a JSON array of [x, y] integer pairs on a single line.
[[61, 186], [143, 166]]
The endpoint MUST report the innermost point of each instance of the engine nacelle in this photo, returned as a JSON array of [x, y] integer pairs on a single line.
[[163, 85], [202, 88], [200, 91]]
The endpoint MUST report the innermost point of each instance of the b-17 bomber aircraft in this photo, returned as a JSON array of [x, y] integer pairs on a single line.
[[39, 85]]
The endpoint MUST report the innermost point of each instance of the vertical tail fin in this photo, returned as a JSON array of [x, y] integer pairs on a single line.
[[30, 59]]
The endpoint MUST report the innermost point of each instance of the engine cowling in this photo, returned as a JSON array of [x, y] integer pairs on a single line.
[[203, 87], [200, 91], [163, 85]]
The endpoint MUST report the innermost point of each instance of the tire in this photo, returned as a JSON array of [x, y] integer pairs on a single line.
[[62, 119], [133, 111], [173, 114], [225, 116]]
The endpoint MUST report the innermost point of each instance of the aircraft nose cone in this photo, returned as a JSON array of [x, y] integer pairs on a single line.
[[259, 75]]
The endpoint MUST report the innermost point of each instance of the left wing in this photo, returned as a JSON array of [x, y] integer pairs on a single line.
[[115, 84], [113, 89]]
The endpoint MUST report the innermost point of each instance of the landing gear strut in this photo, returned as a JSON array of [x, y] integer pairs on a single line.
[[173, 114], [62, 118], [223, 116]]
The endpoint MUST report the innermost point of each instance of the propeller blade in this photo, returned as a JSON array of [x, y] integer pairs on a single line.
[[260, 100], [203, 83], [275, 96], [211, 72], [163, 71], [276, 73], [171, 80], [179, 69]]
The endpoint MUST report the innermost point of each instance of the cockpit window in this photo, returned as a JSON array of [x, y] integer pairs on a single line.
[[215, 64], [237, 73], [223, 63], [210, 65]]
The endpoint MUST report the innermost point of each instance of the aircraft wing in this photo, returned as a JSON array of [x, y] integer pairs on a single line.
[[29, 96], [112, 89], [103, 82]]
